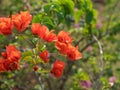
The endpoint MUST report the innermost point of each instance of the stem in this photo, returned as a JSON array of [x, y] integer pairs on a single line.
[[35, 56], [30, 42], [100, 62], [101, 52], [79, 41], [39, 80], [49, 83]]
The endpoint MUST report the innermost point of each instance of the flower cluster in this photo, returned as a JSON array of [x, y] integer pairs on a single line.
[[5, 26], [64, 46], [62, 43], [58, 68], [43, 32], [19, 21], [62, 40], [10, 59], [44, 56]]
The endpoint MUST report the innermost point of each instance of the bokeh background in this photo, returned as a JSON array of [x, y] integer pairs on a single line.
[[93, 24]]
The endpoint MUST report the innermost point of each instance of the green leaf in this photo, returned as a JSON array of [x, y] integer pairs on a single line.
[[37, 18], [77, 15], [89, 16], [28, 58], [27, 53], [48, 21], [68, 6], [80, 3], [88, 4], [53, 9], [115, 29]]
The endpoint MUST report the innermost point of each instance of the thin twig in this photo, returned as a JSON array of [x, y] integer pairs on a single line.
[[101, 52], [79, 41], [100, 62], [30, 42], [49, 83], [39, 80]]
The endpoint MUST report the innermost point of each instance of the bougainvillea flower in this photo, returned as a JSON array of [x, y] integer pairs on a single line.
[[112, 80], [73, 53], [35, 28], [44, 56], [50, 37], [4, 55], [43, 31], [5, 26], [10, 60], [89, 48], [85, 84], [22, 20], [25, 65], [58, 68], [35, 68], [64, 37], [2, 68], [11, 65], [63, 47], [12, 53]]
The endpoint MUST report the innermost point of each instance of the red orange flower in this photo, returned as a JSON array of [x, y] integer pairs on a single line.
[[58, 68], [4, 55], [12, 53], [63, 47], [10, 60], [22, 20], [43, 31], [64, 37], [44, 56], [35, 28], [11, 65], [5, 26], [35, 68], [2, 68], [50, 37], [73, 53]]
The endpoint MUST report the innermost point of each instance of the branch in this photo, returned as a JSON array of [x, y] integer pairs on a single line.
[[66, 75], [79, 41], [70, 64], [101, 52], [48, 83], [100, 62], [39, 80]]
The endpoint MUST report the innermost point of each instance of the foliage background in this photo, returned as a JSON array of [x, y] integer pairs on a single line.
[[84, 19]]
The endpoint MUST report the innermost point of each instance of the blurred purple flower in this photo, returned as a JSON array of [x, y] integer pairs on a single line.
[[76, 25], [48, 56], [25, 65], [89, 48], [98, 25], [112, 80], [86, 84], [27, 5]]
